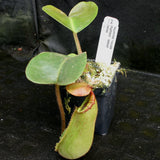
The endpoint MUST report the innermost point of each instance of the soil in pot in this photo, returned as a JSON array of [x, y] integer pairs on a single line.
[[103, 81]]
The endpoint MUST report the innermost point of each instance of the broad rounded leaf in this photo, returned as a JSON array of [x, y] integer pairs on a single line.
[[58, 15], [79, 89], [82, 15], [55, 68], [79, 17]]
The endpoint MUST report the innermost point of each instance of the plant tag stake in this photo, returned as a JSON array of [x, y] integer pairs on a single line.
[[107, 40]]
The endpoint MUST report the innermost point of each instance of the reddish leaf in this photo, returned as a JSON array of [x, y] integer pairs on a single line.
[[79, 89]]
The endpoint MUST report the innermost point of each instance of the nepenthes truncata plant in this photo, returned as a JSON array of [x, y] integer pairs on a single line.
[[64, 70]]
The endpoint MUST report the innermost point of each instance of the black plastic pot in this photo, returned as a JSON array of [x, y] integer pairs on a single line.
[[106, 101]]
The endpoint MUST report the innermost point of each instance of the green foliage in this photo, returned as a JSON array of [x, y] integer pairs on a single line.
[[66, 102], [79, 17], [55, 68]]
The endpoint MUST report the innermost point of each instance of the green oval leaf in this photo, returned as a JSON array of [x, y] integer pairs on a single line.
[[55, 68], [82, 15], [79, 17]]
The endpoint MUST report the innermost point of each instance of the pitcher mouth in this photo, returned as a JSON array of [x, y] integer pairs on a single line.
[[87, 104]]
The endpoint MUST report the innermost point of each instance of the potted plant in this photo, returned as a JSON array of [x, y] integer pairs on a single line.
[[80, 78]]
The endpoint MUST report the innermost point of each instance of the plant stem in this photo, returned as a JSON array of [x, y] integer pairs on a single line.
[[60, 105], [78, 46]]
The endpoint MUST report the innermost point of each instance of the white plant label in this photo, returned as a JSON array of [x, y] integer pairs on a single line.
[[107, 40]]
